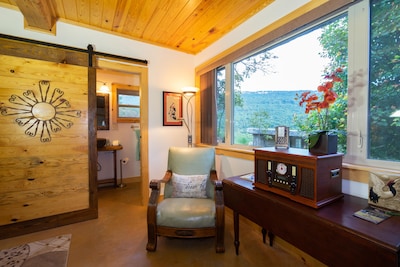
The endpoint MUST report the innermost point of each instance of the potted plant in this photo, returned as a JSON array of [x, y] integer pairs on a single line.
[[323, 140]]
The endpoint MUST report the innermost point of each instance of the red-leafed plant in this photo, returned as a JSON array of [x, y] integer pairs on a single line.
[[322, 100]]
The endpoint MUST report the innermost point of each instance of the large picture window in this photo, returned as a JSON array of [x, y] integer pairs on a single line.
[[257, 92], [264, 87]]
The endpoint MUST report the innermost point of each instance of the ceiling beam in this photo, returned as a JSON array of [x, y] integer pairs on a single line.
[[38, 14]]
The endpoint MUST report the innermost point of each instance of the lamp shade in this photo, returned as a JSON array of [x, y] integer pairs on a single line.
[[189, 91], [103, 88]]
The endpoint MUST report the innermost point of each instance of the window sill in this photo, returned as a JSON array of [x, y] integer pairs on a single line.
[[354, 172], [241, 153]]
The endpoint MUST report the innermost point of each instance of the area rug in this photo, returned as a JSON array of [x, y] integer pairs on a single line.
[[52, 252]]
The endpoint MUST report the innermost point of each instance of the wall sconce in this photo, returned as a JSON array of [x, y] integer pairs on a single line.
[[104, 88], [189, 93]]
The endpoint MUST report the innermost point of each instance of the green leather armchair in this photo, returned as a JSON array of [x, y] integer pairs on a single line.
[[193, 204]]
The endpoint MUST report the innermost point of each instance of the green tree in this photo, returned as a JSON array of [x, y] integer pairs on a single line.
[[384, 79], [220, 99], [241, 70], [333, 39]]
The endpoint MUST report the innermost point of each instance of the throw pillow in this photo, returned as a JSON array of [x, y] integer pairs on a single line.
[[190, 186]]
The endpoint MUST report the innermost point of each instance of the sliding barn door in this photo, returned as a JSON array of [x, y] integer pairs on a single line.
[[45, 144]]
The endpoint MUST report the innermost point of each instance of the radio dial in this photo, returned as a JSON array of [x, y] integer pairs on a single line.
[[281, 168]]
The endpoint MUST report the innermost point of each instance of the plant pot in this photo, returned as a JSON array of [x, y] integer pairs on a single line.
[[326, 144]]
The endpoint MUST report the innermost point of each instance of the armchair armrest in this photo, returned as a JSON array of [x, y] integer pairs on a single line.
[[213, 175], [167, 176], [155, 186], [220, 211], [214, 179]]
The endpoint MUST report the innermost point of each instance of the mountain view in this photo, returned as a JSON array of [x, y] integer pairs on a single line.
[[279, 105]]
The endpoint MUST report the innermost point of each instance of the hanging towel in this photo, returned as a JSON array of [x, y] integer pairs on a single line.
[[137, 144]]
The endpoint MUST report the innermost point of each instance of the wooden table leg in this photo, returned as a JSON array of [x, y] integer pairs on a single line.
[[115, 167], [271, 238], [264, 234], [236, 231]]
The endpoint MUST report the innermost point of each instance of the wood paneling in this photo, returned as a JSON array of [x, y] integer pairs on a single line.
[[296, 20], [188, 26], [38, 14], [45, 172], [41, 51], [47, 139]]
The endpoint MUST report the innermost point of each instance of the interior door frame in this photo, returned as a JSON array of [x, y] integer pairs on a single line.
[[104, 63]]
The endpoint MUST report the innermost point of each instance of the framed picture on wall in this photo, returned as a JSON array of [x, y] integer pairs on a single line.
[[172, 109]]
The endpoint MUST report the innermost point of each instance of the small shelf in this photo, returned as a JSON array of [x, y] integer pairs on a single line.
[[114, 150]]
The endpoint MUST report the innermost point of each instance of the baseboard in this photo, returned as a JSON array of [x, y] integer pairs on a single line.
[[136, 179]]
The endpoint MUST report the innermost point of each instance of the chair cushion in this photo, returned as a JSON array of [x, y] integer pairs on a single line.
[[190, 186], [191, 161], [186, 212]]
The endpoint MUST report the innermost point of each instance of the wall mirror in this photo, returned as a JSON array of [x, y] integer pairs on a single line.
[[103, 112]]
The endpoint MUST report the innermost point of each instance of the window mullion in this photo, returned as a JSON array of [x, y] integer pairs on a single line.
[[229, 98], [358, 27]]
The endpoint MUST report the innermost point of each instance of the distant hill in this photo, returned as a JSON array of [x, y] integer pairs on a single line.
[[280, 106]]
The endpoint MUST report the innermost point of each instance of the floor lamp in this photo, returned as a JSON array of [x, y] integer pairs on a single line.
[[189, 93]]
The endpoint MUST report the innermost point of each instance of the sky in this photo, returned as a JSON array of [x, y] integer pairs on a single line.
[[298, 67]]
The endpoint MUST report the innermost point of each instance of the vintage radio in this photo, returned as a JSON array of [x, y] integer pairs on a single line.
[[313, 180]]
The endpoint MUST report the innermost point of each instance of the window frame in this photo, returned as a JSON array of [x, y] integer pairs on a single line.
[[357, 127], [126, 90], [358, 69], [229, 86]]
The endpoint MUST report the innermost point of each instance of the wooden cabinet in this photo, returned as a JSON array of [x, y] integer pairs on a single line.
[[313, 180], [330, 234]]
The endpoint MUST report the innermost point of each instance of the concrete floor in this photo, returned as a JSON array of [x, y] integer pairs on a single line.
[[118, 238]]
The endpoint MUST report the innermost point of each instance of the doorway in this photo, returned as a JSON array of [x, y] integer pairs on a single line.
[[132, 162]]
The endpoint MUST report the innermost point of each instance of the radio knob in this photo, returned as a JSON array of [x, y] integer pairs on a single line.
[[293, 186], [269, 176]]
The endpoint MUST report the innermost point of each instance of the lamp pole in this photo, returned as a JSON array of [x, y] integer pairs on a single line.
[[189, 94]]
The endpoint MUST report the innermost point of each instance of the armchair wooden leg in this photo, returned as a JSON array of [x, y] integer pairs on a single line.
[[220, 246], [220, 226], [220, 236], [151, 238]]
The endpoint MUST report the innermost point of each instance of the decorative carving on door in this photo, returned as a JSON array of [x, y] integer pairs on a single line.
[[43, 114]]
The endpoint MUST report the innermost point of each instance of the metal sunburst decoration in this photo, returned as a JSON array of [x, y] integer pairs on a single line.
[[41, 115]]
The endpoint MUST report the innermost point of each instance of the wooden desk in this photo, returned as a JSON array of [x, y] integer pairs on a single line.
[[330, 234], [114, 150]]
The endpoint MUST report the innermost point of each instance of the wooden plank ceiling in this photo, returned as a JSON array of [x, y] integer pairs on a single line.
[[185, 25]]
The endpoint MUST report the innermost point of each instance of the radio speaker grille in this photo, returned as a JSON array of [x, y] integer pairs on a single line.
[[307, 183], [262, 171]]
